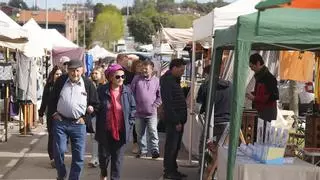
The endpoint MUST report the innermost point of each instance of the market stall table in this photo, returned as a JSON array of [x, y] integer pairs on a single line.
[[248, 169]]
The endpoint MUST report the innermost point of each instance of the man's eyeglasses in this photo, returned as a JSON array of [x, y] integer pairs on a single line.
[[118, 76]]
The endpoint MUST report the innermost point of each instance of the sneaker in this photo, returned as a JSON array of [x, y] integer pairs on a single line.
[[143, 155], [155, 155], [182, 175], [175, 176], [52, 163], [93, 163], [135, 148], [103, 177], [61, 178]]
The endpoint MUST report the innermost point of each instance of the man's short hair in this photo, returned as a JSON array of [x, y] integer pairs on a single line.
[[120, 56], [147, 63], [255, 58], [177, 63]]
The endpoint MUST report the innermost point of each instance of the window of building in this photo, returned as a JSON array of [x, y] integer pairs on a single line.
[[70, 30]]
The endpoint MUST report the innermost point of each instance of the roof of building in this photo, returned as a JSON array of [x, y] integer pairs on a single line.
[[54, 17]]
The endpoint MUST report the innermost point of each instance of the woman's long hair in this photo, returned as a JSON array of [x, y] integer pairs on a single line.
[[134, 66], [103, 78], [50, 78]]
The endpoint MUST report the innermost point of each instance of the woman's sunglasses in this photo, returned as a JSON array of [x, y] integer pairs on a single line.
[[118, 76]]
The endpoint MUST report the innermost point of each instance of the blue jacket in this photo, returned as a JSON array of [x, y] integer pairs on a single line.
[[129, 109]]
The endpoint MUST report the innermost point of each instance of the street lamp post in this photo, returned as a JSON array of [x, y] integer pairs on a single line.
[[84, 27], [47, 14]]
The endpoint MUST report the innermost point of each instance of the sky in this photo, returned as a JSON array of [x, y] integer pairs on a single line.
[[58, 3]]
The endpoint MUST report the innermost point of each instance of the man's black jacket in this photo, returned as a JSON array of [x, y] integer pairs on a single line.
[[92, 97]]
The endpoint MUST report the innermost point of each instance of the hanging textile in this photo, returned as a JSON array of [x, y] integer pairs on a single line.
[[6, 73], [89, 64], [297, 66], [26, 78]]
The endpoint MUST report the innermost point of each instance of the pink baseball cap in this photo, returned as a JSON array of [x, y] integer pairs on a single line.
[[112, 69]]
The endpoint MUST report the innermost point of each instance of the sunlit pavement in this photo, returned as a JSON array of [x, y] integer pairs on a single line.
[[26, 158]]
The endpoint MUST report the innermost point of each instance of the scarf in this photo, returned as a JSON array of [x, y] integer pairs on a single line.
[[113, 124], [260, 74]]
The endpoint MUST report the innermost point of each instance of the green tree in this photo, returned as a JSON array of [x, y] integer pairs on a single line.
[[182, 20], [149, 11], [141, 28], [18, 4], [163, 5], [137, 6], [97, 9], [189, 4], [124, 11], [108, 26], [161, 20]]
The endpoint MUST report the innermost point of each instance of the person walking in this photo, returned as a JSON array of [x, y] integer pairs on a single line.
[[146, 89], [73, 96], [98, 79], [114, 122], [175, 112], [47, 107], [136, 68]]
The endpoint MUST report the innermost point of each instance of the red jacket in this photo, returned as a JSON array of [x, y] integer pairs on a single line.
[[262, 98], [265, 91]]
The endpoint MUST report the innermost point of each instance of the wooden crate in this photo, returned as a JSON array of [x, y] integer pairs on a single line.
[[312, 132], [249, 125]]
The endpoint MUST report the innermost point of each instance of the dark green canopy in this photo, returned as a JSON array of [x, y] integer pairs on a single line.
[[271, 29]]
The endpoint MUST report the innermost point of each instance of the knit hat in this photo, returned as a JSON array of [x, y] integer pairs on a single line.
[[112, 69]]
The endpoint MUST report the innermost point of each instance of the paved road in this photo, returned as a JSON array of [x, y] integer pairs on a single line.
[[26, 158]]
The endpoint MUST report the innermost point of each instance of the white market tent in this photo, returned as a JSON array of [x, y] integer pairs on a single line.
[[11, 34], [38, 42], [176, 37], [58, 40], [99, 52], [221, 18]]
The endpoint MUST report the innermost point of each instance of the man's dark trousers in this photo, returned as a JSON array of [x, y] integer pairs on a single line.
[[62, 129], [172, 147]]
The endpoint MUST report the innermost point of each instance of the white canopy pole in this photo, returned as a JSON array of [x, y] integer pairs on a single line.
[[193, 79], [191, 111]]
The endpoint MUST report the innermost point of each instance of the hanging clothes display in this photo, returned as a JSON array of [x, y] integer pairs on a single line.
[[89, 64], [297, 66], [26, 78], [6, 73]]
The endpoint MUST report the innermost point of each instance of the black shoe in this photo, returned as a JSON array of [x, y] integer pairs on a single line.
[[175, 176], [182, 175], [52, 163], [143, 155], [155, 155]]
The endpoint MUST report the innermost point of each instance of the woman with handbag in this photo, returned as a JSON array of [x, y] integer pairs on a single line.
[[114, 122]]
